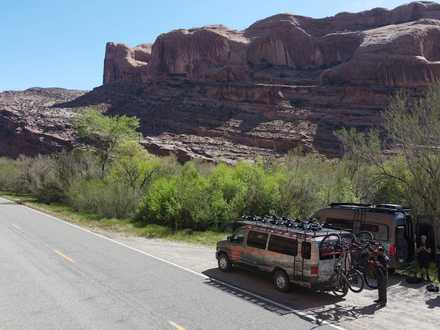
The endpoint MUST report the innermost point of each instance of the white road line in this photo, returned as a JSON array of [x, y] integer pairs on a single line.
[[310, 317], [175, 325], [15, 226]]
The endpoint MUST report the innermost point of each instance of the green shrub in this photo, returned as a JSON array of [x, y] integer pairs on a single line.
[[9, 175], [261, 193], [107, 198], [161, 205], [42, 179]]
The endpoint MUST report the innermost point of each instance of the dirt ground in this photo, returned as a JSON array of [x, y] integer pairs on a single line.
[[410, 306]]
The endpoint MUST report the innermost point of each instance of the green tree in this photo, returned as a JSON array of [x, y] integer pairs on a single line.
[[134, 166], [105, 133], [409, 157]]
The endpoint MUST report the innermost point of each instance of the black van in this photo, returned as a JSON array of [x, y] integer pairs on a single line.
[[390, 224]]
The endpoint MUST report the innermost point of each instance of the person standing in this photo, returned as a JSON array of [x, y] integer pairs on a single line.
[[437, 262], [424, 257], [381, 269]]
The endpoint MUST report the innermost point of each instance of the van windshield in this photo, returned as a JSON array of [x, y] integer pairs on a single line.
[[379, 231]]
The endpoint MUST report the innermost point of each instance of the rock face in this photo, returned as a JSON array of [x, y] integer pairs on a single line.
[[285, 81], [368, 48], [31, 123], [126, 64]]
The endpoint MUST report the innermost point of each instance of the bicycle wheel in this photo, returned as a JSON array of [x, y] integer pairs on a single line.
[[365, 236], [341, 287], [329, 244], [370, 278], [355, 280]]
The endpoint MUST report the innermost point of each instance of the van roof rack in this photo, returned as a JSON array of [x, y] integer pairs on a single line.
[[286, 224], [350, 205], [380, 208], [389, 206]]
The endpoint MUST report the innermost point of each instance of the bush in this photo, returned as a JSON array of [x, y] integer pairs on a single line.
[[161, 204], [106, 198], [309, 183], [42, 179], [261, 188], [9, 175]]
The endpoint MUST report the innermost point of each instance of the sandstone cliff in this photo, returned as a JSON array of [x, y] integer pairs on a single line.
[[285, 81], [365, 48]]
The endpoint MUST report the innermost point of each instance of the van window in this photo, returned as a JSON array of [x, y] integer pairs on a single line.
[[283, 245], [257, 240], [379, 231], [306, 250], [238, 236], [339, 224]]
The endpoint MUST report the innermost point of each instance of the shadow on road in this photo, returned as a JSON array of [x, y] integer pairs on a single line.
[[260, 285], [339, 313]]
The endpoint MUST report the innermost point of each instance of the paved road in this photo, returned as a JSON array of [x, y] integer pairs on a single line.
[[56, 276]]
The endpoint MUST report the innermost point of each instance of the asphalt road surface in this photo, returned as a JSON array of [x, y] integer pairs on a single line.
[[54, 275]]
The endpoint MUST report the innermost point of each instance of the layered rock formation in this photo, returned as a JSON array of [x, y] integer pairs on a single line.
[[367, 48], [286, 81], [31, 123]]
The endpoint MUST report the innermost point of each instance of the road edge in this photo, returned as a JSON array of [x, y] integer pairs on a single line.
[[306, 316]]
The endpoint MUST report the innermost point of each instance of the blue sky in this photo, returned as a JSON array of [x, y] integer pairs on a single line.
[[60, 43]]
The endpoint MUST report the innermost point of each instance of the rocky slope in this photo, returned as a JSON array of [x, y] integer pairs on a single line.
[[285, 81], [32, 123]]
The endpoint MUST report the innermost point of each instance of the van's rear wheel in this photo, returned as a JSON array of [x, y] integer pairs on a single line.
[[281, 281], [224, 264]]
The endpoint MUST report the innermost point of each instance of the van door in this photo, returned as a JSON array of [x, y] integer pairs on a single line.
[[282, 252], [254, 252], [305, 266], [237, 244]]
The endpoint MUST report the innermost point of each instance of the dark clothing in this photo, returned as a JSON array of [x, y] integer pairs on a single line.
[[382, 278], [437, 261], [382, 281], [424, 257]]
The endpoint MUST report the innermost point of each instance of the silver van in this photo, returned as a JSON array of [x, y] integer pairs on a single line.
[[291, 254]]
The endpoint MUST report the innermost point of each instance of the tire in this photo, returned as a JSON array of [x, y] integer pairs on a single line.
[[355, 281], [224, 264], [281, 281], [341, 288], [328, 245]]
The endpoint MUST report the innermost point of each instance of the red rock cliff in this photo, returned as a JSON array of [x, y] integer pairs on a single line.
[[378, 47]]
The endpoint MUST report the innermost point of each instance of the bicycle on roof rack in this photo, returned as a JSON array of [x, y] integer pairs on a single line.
[[290, 250]]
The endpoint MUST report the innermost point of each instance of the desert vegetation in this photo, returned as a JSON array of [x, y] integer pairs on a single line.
[[111, 175]]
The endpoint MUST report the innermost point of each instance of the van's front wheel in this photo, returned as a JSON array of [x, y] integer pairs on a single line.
[[224, 264], [281, 281]]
